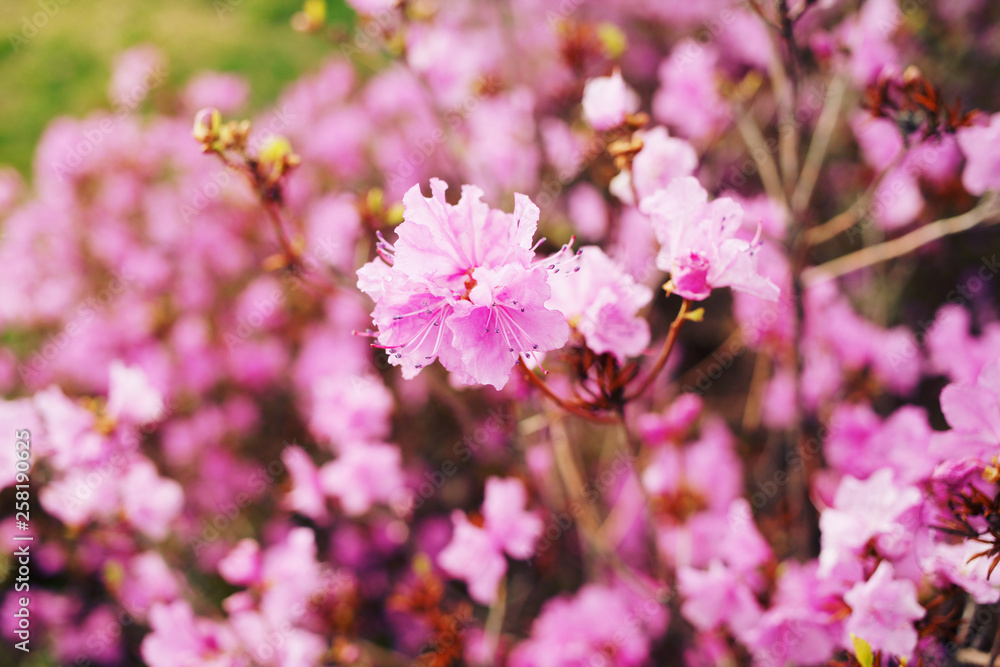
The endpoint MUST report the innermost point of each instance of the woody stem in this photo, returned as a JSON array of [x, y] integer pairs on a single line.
[[668, 347]]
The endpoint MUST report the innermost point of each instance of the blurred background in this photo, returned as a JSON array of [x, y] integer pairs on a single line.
[[63, 67]]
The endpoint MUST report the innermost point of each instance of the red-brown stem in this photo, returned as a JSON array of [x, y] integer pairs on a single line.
[[572, 408], [286, 245], [668, 346]]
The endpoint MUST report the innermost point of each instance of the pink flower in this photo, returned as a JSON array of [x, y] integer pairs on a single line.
[[242, 566], [973, 412], [600, 626], [363, 475], [698, 243], [662, 159], [147, 580], [860, 443], [717, 596], [178, 637], [861, 511], [707, 467], [150, 502], [226, 92], [350, 408], [883, 610], [954, 352], [674, 424], [688, 98], [981, 145], [131, 397], [607, 100], [866, 38], [798, 628], [588, 211], [475, 554], [602, 302], [134, 73], [459, 285], [306, 495]]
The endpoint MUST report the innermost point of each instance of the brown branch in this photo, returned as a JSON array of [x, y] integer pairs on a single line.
[[844, 221], [572, 407], [988, 207], [668, 346], [819, 145], [767, 168]]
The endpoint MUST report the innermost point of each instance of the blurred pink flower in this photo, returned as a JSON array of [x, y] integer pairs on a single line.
[[883, 610], [607, 100], [863, 510], [981, 146], [223, 91], [475, 554], [131, 397], [662, 159], [717, 596], [364, 474], [973, 412], [242, 566], [688, 99], [601, 625]]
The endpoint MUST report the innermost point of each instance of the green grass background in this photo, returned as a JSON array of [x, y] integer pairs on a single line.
[[65, 68]]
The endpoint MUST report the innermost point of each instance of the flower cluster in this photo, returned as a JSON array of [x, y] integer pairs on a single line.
[[460, 285]]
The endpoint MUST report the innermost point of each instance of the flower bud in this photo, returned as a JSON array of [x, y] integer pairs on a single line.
[[207, 123], [277, 158], [311, 18], [612, 39]]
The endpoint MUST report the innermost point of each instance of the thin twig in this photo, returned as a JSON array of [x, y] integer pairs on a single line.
[[668, 346], [786, 86], [494, 624], [767, 168], [589, 521], [755, 394], [844, 221], [819, 145], [571, 407], [986, 209]]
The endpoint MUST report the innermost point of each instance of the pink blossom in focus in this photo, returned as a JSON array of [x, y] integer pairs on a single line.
[[461, 287], [601, 302]]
